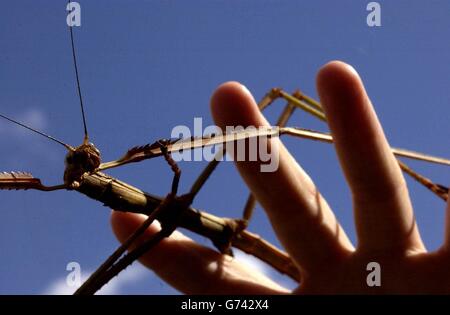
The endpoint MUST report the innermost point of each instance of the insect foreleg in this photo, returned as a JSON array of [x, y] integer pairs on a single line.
[[113, 265], [96, 280], [173, 165]]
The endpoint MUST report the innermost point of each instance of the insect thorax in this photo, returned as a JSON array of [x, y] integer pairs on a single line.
[[83, 159]]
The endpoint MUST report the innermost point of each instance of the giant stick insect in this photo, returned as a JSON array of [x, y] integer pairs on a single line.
[[83, 173]]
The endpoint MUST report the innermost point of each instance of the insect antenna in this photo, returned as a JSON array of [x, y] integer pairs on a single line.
[[86, 137], [68, 147]]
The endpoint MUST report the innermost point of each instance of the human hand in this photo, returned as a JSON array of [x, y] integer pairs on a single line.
[[304, 223]]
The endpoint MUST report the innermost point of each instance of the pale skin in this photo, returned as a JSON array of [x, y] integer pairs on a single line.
[[301, 218]]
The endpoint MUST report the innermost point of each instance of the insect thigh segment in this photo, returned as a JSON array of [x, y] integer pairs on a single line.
[[23, 181]]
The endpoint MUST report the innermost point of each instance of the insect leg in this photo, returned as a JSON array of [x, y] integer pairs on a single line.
[[173, 166], [438, 190], [97, 279]]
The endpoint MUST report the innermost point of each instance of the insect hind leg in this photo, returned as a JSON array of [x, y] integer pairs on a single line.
[[163, 143]]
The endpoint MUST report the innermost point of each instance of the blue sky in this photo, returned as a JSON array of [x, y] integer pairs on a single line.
[[147, 66]]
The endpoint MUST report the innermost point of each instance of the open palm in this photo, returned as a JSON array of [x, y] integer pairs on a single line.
[[303, 221]]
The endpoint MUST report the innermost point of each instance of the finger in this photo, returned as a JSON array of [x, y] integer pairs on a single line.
[[383, 211], [300, 216], [192, 268]]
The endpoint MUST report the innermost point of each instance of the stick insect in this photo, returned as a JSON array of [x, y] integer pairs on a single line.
[[84, 173]]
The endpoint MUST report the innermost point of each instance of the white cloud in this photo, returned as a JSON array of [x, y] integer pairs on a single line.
[[32, 117], [253, 262], [24, 141], [135, 273], [256, 264], [130, 275]]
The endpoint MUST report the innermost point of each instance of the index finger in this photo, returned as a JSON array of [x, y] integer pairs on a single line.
[[299, 215]]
